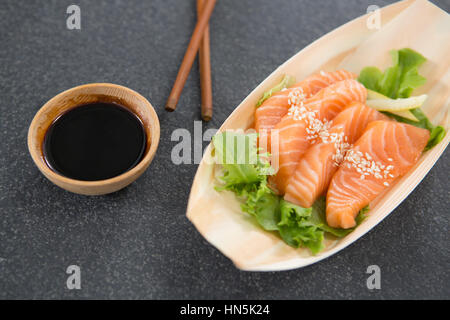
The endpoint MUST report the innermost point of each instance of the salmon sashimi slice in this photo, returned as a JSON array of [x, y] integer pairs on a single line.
[[276, 107], [301, 126], [318, 165], [385, 151]]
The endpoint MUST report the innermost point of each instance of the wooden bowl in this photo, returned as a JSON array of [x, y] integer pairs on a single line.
[[91, 93], [218, 215]]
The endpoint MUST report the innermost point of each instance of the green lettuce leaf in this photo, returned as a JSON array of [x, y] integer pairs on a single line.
[[437, 133], [370, 77], [399, 81], [286, 82], [297, 228], [238, 155], [436, 136], [263, 204], [245, 173], [306, 226]]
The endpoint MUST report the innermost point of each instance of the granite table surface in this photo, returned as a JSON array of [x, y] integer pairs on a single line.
[[137, 243]]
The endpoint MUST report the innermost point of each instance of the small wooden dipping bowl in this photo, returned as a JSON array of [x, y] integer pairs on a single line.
[[85, 94]]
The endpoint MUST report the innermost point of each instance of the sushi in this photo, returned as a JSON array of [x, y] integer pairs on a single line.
[[276, 107], [385, 151], [302, 125], [317, 166]]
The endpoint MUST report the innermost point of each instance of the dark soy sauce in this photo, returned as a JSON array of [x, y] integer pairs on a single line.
[[94, 142]]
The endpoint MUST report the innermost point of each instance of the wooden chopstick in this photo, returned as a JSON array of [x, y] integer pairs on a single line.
[[190, 55], [205, 69]]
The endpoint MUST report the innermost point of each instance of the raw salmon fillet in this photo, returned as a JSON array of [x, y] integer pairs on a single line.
[[303, 123], [318, 165], [273, 109], [385, 151]]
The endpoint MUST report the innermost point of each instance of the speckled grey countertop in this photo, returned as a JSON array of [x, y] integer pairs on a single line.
[[137, 243]]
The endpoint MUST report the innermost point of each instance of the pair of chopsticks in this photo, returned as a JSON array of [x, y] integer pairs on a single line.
[[199, 42]]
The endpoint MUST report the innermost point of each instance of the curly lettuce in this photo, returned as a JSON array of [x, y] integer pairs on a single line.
[[298, 229], [286, 82], [245, 173], [306, 226]]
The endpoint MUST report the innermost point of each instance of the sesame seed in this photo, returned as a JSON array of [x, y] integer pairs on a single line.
[[365, 165]]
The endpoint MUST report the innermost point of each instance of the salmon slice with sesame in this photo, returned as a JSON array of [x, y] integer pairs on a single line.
[[317, 166], [385, 152], [276, 107], [301, 126]]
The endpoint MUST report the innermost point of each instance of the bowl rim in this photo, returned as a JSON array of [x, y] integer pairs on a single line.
[[141, 166]]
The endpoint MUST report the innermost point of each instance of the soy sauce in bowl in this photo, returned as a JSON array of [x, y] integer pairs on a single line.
[[94, 142]]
